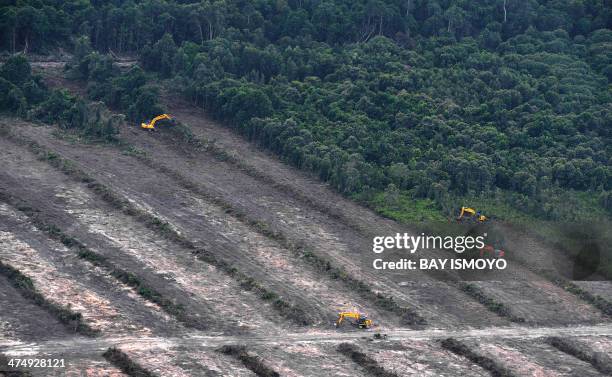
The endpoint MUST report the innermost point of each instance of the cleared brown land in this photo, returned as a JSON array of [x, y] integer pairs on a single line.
[[158, 209]]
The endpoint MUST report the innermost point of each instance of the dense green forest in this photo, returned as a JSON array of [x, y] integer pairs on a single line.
[[414, 107]]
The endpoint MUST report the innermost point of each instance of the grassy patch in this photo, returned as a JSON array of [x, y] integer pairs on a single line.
[[567, 206], [407, 209], [131, 150]]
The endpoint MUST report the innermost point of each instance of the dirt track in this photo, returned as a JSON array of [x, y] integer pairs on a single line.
[[85, 345], [317, 348], [258, 216]]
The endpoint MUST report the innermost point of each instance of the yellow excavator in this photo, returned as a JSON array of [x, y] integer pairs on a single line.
[[472, 214], [151, 125], [357, 319]]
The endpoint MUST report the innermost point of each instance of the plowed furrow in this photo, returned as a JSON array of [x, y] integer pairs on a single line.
[[69, 289], [215, 230], [204, 291]]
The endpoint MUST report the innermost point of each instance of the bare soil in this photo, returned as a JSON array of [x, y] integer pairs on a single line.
[[260, 216], [535, 359]]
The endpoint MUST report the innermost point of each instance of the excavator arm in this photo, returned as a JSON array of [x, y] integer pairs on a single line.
[[343, 315], [361, 320], [472, 213], [151, 125], [465, 210]]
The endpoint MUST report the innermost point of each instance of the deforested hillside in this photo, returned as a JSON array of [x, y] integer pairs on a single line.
[[200, 188], [407, 106]]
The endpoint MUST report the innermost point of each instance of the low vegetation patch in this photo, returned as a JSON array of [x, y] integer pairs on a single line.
[[253, 363], [370, 365], [496, 307], [25, 286], [597, 301], [122, 361], [25, 95], [599, 360], [493, 366]]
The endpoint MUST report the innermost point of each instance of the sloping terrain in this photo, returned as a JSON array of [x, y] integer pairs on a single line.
[[169, 250]]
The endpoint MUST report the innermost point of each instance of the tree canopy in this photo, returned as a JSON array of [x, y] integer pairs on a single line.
[[434, 100]]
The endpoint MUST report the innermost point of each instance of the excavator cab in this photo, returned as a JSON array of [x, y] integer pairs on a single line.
[[151, 125], [358, 319], [480, 217]]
